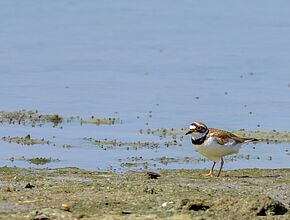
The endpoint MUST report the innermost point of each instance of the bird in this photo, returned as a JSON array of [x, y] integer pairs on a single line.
[[215, 143]]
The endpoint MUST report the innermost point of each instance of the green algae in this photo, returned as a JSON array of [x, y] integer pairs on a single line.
[[176, 194], [163, 132], [112, 144], [55, 119], [35, 160], [41, 160], [33, 118], [100, 121], [145, 163], [25, 140], [24, 117]]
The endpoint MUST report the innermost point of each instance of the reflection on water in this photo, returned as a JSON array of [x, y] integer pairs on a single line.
[[153, 65]]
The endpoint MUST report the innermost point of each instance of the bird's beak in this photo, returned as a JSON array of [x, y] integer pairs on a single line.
[[189, 132]]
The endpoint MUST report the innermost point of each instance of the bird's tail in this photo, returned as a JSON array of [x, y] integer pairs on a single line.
[[250, 139]]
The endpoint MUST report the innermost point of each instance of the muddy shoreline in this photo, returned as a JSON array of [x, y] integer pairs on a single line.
[[72, 193]]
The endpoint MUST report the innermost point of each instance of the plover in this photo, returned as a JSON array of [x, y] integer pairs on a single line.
[[215, 143]]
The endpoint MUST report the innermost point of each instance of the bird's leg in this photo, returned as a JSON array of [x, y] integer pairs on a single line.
[[210, 172], [222, 163]]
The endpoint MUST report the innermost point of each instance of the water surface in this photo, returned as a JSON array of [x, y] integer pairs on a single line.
[[98, 58]]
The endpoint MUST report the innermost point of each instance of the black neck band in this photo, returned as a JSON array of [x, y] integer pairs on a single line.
[[199, 141]]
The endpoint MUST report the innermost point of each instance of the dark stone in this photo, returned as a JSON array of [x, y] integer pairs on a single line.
[[29, 186], [197, 207], [153, 175]]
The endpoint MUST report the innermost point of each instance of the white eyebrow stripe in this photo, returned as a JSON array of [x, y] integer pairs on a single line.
[[198, 124], [192, 127]]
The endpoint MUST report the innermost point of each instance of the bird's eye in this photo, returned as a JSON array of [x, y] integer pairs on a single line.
[[198, 128]]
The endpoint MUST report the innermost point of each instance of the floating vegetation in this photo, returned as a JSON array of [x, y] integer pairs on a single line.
[[24, 117], [100, 121], [68, 146], [190, 160], [35, 160], [144, 165], [54, 119], [140, 161], [263, 136], [25, 140], [112, 144], [167, 160], [163, 132], [41, 160], [266, 136], [133, 159]]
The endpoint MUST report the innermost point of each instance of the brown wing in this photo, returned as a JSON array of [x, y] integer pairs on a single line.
[[223, 137]]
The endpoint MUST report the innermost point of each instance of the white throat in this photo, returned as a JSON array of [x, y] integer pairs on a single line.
[[197, 135]]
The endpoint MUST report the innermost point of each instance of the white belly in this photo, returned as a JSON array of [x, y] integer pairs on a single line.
[[214, 151]]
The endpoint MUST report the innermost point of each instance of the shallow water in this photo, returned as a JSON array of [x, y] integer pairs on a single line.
[[98, 58]]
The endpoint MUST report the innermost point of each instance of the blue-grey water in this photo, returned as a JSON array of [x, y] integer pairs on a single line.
[[100, 57]]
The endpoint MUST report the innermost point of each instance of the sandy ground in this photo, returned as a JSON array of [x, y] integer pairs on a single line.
[[71, 193]]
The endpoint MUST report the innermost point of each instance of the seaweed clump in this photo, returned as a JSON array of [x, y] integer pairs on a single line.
[[100, 121], [24, 117], [25, 140]]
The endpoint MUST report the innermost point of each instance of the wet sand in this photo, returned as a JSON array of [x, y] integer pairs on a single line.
[[72, 193]]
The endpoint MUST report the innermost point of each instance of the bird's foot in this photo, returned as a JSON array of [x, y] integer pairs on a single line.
[[207, 174]]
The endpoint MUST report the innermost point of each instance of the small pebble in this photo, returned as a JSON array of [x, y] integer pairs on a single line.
[[65, 207]]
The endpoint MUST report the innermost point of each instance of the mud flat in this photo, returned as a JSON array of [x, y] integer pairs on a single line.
[[71, 193]]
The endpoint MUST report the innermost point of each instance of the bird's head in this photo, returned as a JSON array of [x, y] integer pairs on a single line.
[[197, 130]]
